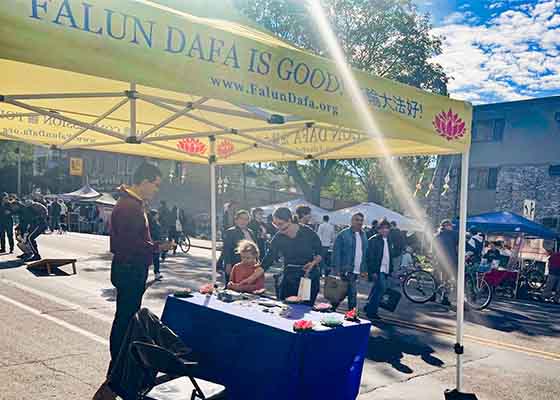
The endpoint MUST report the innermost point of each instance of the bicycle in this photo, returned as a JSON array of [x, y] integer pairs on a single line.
[[531, 274], [420, 286], [184, 242]]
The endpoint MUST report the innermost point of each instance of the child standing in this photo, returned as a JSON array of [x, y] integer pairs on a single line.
[[240, 280]]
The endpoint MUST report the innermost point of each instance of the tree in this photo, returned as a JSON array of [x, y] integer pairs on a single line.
[[9, 156], [9, 161], [388, 38]]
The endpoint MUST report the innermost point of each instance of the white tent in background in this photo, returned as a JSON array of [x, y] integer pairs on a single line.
[[84, 193], [316, 212], [373, 211]]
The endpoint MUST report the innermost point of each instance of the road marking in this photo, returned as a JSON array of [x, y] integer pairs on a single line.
[[57, 321], [499, 345], [56, 299]]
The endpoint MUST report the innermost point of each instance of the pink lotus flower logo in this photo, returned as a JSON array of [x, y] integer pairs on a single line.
[[225, 148], [449, 125], [191, 146]]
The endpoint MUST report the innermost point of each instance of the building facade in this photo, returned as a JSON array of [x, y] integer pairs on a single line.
[[515, 156]]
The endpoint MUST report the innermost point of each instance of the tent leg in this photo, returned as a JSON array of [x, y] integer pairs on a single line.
[[457, 393], [213, 219], [132, 98]]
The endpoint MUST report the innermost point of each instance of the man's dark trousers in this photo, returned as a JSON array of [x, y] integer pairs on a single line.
[[7, 229], [130, 281]]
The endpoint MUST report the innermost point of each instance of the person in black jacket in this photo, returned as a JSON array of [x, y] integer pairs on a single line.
[[232, 236], [379, 261], [6, 223], [258, 227]]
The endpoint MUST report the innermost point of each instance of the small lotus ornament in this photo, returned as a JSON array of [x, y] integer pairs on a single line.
[[191, 146], [449, 125]]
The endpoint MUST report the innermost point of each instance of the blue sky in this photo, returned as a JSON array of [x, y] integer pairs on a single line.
[[498, 50]]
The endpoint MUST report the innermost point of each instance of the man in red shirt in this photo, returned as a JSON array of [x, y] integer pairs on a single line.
[[553, 281], [132, 249]]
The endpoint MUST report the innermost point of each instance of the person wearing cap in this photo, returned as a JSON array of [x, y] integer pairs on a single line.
[[446, 245]]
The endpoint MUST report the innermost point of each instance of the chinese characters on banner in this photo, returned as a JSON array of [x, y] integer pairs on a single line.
[[387, 102]]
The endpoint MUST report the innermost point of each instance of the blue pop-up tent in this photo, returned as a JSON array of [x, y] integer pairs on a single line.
[[506, 222]]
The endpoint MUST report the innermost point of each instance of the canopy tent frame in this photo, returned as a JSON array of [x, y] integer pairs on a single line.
[[181, 109], [432, 124]]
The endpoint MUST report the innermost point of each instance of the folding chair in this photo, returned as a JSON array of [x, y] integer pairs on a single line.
[[157, 358]]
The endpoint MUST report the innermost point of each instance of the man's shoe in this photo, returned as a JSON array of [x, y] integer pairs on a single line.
[[11, 251], [2, 250], [22, 256], [32, 258], [104, 393], [158, 277]]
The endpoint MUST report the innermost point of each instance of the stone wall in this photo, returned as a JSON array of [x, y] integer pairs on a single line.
[[519, 183]]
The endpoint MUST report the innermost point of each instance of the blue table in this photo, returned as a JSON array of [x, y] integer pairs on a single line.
[[256, 355]]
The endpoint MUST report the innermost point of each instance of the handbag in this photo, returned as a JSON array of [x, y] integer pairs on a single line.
[[390, 300], [304, 291], [335, 289]]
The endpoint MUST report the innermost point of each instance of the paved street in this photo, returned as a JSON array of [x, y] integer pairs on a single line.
[[55, 331]]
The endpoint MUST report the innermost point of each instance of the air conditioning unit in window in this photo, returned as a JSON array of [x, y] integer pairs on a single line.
[[554, 170]]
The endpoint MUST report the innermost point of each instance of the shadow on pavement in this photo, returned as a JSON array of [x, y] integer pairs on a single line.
[[528, 319], [42, 272], [11, 264], [391, 346], [109, 294]]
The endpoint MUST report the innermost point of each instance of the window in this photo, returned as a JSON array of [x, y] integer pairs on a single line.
[[490, 130], [492, 178], [551, 223], [483, 178]]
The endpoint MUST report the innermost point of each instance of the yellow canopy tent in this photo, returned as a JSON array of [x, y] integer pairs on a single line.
[[164, 79]]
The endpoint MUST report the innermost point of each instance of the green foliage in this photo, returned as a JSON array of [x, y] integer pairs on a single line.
[[388, 38], [8, 153]]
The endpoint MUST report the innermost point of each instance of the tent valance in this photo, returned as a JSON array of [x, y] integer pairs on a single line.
[[197, 83]]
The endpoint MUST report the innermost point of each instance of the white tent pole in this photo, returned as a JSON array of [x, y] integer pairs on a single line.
[[213, 219], [132, 97], [461, 269]]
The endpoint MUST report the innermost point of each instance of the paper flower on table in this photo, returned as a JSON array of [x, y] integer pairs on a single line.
[[206, 289], [351, 315], [303, 325]]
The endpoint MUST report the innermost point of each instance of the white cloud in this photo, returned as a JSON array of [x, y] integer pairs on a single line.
[[514, 56], [499, 4]]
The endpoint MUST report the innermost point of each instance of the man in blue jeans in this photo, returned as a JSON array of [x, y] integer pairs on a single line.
[[349, 256], [379, 259]]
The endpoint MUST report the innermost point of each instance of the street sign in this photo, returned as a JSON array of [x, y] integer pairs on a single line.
[[529, 207], [76, 166]]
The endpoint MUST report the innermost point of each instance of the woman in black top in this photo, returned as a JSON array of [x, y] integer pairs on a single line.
[[301, 248]]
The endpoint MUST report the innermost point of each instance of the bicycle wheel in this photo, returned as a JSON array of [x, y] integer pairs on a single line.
[[419, 286], [535, 280], [185, 244], [478, 293]]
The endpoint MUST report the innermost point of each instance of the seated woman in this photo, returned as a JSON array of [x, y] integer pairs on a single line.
[[241, 272]]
